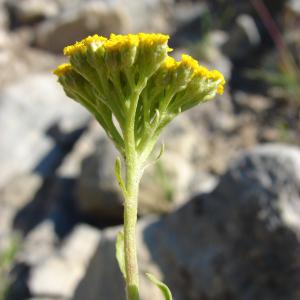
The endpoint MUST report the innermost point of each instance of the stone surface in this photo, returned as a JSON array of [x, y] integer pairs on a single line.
[[30, 11], [19, 59], [254, 103], [98, 191], [37, 116], [202, 182], [59, 274], [16, 194], [294, 6], [240, 241], [103, 17], [84, 147], [79, 21], [164, 185], [3, 18], [39, 244], [184, 12], [243, 38]]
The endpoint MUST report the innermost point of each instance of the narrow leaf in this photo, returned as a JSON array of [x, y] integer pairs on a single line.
[[120, 252], [157, 117], [164, 289], [118, 174], [161, 152]]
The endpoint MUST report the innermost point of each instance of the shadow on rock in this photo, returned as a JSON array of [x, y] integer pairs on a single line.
[[242, 240]]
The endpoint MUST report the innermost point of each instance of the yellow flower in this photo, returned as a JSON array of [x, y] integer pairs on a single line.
[[189, 62], [118, 42], [62, 69], [94, 39], [170, 63], [151, 39], [72, 49]]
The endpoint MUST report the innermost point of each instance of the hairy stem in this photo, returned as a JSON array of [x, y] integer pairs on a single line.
[[133, 176], [130, 218]]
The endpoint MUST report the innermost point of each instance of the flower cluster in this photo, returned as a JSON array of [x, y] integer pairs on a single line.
[[132, 79]]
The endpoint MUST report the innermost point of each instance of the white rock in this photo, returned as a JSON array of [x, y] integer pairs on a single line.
[[85, 146], [15, 195], [39, 244], [59, 275], [28, 108]]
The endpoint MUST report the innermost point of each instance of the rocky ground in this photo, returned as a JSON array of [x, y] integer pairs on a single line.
[[214, 224]]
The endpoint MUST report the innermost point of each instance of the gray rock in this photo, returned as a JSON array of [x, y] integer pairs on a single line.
[[30, 11], [47, 298], [225, 122], [239, 242], [36, 116], [103, 17], [202, 182], [243, 38], [166, 182], [20, 60], [208, 50], [294, 6], [84, 147], [184, 12], [3, 18], [217, 59], [79, 21], [39, 244], [267, 180], [59, 274], [98, 191], [16, 194], [253, 102]]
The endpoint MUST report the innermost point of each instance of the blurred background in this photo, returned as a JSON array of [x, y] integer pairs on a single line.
[[220, 211]]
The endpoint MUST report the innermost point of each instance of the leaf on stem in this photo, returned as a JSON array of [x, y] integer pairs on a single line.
[[164, 289], [161, 152], [120, 255], [118, 174]]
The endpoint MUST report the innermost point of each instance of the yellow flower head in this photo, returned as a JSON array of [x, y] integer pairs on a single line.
[[62, 69], [218, 76], [94, 39], [72, 49], [107, 74], [189, 62], [213, 75], [81, 46], [118, 42], [170, 63], [151, 39]]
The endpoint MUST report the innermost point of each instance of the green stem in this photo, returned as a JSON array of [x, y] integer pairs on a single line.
[[133, 176], [130, 219]]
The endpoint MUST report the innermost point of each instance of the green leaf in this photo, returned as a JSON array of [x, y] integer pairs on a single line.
[[118, 174], [161, 152], [164, 289], [120, 255]]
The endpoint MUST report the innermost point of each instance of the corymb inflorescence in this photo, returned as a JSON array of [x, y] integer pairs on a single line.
[[107, 75]]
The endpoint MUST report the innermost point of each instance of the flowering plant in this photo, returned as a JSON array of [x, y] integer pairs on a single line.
[[134, 89]]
